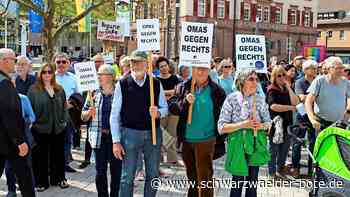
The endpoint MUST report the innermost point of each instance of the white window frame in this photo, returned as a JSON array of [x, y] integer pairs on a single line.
[[293, 17], [259, 13], [221, 8], [202, 8], [266, 20], [307, 19], [278, 15], [247, 12]]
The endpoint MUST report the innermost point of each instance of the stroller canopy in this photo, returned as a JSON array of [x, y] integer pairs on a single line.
[[332, 151]]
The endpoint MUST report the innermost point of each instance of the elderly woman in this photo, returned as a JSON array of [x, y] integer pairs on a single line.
[[245, 152], [48, 100], [23, 80], [125, 66], [100, 138], [282, 101], [226, 78]]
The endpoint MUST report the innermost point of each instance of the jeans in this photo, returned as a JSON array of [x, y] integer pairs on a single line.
[[104, 156], [68, 141], [279, 153], [236, 190], [296, 150], [135, 142]]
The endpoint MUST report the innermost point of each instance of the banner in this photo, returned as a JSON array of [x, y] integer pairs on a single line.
[[84, 25], [36, 21], [196, 44], [148, 35], [86, 76], [251, 53], [123, 16], [108, 30], [318, 53]]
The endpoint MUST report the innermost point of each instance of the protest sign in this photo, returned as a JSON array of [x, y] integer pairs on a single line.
[[196, 44], [123, 16], [251, 53], [148, 35], [108, 30], [86, 76]]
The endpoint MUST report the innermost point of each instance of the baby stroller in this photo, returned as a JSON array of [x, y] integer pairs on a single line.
[[331, 162]]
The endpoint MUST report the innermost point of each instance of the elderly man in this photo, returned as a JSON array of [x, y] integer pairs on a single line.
[[69, 83], [301, 87], [24, 80], [12, 144], [99, 60], [322, 92], [201, 141], [131, 124]]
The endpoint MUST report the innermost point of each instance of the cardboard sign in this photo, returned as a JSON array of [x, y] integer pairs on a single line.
[[108, 30], [86, 76], [251, 53], [196, 44], [123, 16], [148, 35]]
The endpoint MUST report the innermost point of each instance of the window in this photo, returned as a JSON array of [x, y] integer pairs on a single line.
[[307, 19], [293, 17], [201, 7], [319, 34], [329, 34], [259, 13], [342, 35], [221, 8], [278, 15], [246, 12], [266, 14]]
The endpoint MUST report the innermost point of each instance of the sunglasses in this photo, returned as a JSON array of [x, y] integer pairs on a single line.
[[46, 72], [227, 66], [281, 75], [61, 62]]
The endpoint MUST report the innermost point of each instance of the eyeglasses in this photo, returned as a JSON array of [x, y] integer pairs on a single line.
[[11, 58], [61, 62], [252, 79], [281, 75], [46, 72], [227, 66], [99, 61]]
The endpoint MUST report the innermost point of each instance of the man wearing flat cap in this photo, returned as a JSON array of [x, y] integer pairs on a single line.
[[131, 124]]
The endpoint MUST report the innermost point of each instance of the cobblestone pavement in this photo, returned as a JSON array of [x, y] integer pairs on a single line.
[[82, 183]]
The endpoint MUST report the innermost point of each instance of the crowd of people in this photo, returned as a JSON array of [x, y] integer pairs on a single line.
[[241, 115]]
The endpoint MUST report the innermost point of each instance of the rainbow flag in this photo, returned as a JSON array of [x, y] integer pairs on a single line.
[[84, 25], [317, 52]]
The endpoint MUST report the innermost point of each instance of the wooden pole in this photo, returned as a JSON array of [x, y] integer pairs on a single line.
[[193, 82], [91, 102], [151, 89]]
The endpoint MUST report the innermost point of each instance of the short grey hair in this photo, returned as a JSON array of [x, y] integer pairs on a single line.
[[242, 77], [125, 61], [61, 55], [5, 52], [23, 58], [332, 61]]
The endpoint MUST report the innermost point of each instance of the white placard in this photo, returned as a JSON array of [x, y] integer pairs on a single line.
[[251, 53], [108, 30], [86, 76], [148, 35], [196, 44]]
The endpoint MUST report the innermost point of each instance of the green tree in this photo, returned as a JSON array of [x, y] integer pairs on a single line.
[[58, 15]]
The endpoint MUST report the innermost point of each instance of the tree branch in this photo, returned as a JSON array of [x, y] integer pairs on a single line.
[[6, 8], [77, 18], [30, 5]]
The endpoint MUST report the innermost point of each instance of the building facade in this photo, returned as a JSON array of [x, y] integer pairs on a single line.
[[334, 28]]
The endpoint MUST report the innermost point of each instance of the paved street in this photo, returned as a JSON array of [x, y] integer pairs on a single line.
[[83, 185]]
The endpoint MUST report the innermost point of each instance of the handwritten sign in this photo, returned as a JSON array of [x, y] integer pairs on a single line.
[[148, 35], [86, 76]]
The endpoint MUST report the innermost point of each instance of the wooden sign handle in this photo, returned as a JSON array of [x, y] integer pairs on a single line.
[[193, 82], [151, 89]]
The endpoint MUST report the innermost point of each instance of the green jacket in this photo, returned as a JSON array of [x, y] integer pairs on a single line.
[[51, 113], [244, 150]]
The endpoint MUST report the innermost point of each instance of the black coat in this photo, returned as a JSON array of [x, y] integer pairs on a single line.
[[218, 95], [11, 120]]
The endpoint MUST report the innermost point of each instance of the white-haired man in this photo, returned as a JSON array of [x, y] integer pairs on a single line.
[[24, 80], [330, 94], [12, 142]]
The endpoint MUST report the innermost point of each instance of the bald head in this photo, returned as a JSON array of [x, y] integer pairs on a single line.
[[7, 60]]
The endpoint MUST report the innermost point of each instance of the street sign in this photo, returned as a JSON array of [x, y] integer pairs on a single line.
[[251, 52], [86, 76], [196, 44], [148, 35]]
